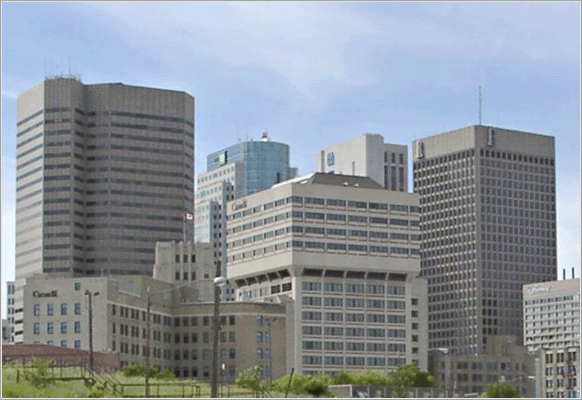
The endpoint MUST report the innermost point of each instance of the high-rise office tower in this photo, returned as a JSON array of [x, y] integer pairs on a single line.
[[488, 222], [103, 173], [368, 155], [238, 170]]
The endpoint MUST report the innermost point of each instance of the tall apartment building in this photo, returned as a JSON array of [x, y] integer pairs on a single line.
[[103, 173], [551, 314], [488, 200], [236, 171], [10, 306], [343, 254], [368, 155]]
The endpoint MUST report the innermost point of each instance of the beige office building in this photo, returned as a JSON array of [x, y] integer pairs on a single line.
[[181, 328], [104, 171], [488, 225], [368, 155], [344, 252]]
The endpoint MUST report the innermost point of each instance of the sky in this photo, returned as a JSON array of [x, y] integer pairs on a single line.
[[315, 74]]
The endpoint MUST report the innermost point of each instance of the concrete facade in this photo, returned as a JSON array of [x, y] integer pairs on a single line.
[[103, 172], [343, 254], [560, 372], [502, 360], [181, 329], [368, 155], [489, 227], [551, 314]]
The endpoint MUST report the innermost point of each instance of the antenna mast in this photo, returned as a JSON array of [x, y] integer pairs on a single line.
[[480, 101]]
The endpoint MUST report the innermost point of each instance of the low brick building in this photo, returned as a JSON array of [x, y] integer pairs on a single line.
[[61, 356]]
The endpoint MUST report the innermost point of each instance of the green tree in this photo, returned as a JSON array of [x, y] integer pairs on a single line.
[[315, 385], [318, 386], [38, 374], [342, 378], [251, 378], [406, 377], [500, 390], [298, 382], [365, 378]]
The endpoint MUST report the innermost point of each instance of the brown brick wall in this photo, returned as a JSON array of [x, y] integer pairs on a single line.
[[24, 353]]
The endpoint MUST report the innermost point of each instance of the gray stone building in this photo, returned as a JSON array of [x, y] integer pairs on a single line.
[[467, 375], [488, 200], [104, 172]]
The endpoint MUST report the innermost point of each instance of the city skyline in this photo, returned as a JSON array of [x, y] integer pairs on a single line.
[[315, 75]]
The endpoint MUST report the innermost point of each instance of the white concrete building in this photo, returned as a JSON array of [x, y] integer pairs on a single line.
[[368, 155], [551, 314], [345, 253]]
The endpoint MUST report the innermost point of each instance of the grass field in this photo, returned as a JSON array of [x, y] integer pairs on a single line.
[[131, 387]]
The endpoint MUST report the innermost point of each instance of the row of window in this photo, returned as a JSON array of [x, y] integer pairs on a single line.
[[311, 230], [353, 361], [76, 343], [50, 309], [50, 327], [316, 201]]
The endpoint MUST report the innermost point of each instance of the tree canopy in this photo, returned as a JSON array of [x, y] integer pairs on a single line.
[[500, 390]]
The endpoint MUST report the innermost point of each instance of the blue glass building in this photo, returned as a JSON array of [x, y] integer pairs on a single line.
[[236, 171], [265, 163]]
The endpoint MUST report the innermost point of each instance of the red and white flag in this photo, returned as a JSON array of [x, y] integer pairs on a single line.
[[188, 216]]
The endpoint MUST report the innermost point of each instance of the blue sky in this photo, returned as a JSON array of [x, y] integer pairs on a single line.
[[315, 74]]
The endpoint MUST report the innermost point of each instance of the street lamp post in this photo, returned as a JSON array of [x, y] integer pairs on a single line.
[[218, 281], [270, 355], [90, 296]]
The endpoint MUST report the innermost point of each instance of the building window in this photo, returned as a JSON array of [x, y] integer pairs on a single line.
[[50, 310], [36, 310], [77, 327], [77, 344], [77, 308], [77, 285], [49, 328], [64, 309], [37, 328], [63, 327], [63, 343]]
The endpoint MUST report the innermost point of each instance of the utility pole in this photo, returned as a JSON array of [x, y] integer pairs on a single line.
[[218, 281], [147, 355], [90, 295], [270, 355]]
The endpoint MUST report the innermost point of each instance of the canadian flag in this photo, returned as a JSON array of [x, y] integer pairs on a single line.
[[188, 216]]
